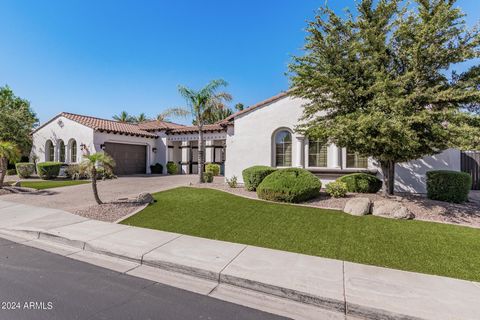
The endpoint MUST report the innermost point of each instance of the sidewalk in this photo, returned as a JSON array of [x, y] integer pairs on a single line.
[[258, 277]]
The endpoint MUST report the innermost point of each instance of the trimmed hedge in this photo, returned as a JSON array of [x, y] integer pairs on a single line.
[[361, 183], [25, 169], [289, 185], [172, 168], [213, 168], [208, 176], [11, 172], [449, 186], [253, 176], [48, 170], [157, 168]]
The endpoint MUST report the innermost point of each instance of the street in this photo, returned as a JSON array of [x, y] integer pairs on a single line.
[[40, 285]]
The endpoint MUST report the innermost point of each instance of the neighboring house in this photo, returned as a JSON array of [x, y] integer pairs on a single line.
[[263, 134]]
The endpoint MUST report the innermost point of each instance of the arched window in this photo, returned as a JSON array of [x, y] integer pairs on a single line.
[[283, 148], [61, 150], [49, 151], [73, 151], [317, 154]]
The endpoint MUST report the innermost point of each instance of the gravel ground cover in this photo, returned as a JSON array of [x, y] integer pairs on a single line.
[[109, 212]]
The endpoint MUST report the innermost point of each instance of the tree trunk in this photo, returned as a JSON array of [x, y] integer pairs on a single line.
[[3, 171], [94, 186], [200, 154], [388, 170]]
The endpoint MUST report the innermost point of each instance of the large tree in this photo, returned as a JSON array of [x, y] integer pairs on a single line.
[[16, 120], [380, 82], [201, 105]]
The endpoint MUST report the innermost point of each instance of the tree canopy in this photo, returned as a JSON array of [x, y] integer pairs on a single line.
[[17, 119], [382, 82]]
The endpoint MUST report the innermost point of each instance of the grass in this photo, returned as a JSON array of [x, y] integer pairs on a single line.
[[49, 184], [417, 246]]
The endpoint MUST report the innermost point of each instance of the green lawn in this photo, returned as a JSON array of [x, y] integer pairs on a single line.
[[49, 184], [418, 246]]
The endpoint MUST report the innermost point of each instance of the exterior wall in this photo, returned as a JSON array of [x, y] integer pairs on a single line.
[[410, 177], [102, 137], [61, 129]]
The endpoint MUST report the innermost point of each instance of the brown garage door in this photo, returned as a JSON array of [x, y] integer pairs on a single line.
[[129, 158]]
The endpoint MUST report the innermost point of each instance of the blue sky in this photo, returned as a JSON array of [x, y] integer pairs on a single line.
[[101, 57]]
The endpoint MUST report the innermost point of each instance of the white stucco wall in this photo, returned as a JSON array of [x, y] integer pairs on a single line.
[[61, 129]]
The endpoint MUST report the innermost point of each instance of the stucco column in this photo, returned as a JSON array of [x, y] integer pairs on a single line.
[[185, 157], [335, 157], [209, 151], [298, 157]]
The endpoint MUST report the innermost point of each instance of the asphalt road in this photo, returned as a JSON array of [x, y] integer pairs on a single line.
[[35, 284]]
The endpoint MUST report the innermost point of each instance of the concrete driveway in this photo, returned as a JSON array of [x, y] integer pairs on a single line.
[[81, 196]]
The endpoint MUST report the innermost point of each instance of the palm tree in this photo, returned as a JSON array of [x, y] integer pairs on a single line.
[[142, 117], [202, 103], [124, 117], [172, 112], [8, 152], [91, 163]]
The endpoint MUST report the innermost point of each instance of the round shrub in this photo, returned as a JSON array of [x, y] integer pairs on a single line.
[[156, 169], [450, 186], [337, 189], [25, 169], [48, 170], [172, 168], [208, 176], [289, 185], [253, 176], [213, 168], [361, 183]]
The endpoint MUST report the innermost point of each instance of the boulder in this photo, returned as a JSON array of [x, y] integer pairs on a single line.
[[391, 209], [358, 206], [145, 197]]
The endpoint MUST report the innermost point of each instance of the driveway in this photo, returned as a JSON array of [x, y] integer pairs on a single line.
[[81, 196]]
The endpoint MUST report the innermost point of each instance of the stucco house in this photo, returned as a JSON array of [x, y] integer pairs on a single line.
[[262, 134]]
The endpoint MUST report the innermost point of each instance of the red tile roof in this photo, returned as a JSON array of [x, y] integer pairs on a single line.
[[154, 125]]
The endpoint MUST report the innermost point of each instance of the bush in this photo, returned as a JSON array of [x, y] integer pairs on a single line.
[[213, 168], [232, 182], [289, 185], [25, 169], [157, 168], [48, 170], [105, 174], [11, 172], [253, 176], [361, 183], [172, 168], [208, 176], [337, 189], [450, 186]]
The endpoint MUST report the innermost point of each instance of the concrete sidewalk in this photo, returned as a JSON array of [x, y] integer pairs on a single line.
[[291, 284]]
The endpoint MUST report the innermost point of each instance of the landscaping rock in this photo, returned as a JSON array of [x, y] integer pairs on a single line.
[[145, 197], [358, 206], [392, 209]]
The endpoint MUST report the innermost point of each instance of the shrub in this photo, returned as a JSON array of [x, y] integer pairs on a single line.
[[25, 169], [157, 168], [232, 182], [450, 186], [213, 168], [48, 170], [105, 174], [208, 176], [289, 185], [172, 168], [76, 172], [11, 172], [253, 176], [361, 183], [337, 189]]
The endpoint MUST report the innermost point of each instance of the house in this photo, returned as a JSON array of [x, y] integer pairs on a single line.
[[263, 134]]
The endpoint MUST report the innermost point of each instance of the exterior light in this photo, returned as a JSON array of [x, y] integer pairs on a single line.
[[102, 146], [154, 150]]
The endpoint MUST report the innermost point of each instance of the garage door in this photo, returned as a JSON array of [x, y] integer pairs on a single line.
[[129, 158]]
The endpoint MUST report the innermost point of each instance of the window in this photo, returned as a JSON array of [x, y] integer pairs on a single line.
[[49, 151], [283, 149], [354, 160], [317, 154], [61, 151], [73, 151]]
